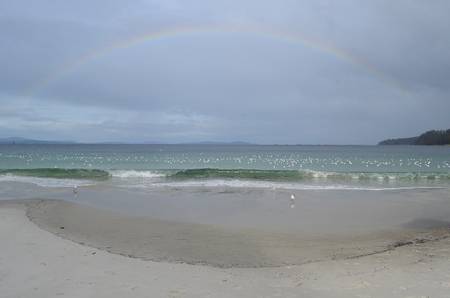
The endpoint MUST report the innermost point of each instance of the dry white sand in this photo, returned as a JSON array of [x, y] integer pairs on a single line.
[[37, 263]]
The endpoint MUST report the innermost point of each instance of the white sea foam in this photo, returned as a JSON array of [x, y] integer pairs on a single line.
[[46, 182], [221, 183], [136, 174]]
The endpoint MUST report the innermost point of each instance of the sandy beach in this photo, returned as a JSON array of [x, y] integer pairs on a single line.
[[72, 250], [200, 149]]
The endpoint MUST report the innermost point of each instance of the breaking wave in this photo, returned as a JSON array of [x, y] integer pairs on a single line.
[[234, 174], [291, 175], [90, 174]]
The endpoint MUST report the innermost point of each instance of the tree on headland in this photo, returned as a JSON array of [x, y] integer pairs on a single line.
[[432, 137]]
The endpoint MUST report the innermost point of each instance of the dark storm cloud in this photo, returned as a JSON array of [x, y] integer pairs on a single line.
[[219, 85]]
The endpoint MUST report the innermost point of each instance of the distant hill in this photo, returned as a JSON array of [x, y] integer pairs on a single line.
[[400, 141], [24, 141], [432, 137], [218, 143]]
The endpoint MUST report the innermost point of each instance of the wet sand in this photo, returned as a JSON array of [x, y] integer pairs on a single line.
[[214, 245], [36, 263]]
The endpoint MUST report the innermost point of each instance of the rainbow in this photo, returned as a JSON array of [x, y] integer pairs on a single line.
[[173, 32]]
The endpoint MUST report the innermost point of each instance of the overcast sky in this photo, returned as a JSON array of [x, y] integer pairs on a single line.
[[224, 85]]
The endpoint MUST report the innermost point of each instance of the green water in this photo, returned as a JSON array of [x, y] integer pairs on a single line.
[[149, 164]]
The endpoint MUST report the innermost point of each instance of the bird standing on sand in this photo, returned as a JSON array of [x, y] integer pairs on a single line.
[[292, 201], [75, 190]]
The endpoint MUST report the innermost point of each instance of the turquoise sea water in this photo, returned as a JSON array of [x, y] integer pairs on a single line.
[[298, 167]]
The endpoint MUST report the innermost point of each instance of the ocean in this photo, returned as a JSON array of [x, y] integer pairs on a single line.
[[308, 189], [288, 167]]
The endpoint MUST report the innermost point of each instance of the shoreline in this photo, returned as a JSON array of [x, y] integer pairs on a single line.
[[160, 240]]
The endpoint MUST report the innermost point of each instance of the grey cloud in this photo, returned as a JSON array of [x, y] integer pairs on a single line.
[[224, 86]]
